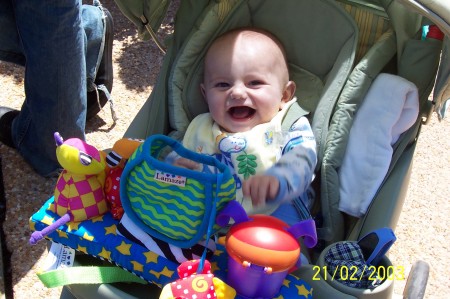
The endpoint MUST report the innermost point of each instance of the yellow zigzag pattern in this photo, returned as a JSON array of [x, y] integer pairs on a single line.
[[156, 219]]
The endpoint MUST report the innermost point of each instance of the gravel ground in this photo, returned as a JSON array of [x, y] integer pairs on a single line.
[[422, 230]]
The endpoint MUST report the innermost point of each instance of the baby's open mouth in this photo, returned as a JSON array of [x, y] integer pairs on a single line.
[[241, 112]]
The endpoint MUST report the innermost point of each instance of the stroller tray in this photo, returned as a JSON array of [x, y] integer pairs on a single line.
[[98, 237]]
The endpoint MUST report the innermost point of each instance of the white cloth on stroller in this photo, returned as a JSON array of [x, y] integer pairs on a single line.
[[390, 108], [128, 229]]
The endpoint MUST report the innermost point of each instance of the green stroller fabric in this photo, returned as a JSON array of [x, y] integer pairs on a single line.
[[320, 75]]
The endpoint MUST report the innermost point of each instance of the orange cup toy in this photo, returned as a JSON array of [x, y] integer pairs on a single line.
[[262, 250]]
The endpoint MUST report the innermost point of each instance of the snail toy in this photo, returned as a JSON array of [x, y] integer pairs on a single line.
[[202, 285]]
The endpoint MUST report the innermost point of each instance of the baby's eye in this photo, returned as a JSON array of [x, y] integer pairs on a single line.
[[222, 85], [256, 83]]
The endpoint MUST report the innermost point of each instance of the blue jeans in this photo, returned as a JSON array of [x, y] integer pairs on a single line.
[[59, 42]]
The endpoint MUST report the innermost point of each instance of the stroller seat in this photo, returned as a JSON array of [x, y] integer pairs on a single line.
[[320, 75]]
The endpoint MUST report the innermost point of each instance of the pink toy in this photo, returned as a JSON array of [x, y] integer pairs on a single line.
[[197, 285], [79, 190]]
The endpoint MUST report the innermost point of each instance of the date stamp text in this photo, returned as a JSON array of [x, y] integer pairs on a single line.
[[354, 273]]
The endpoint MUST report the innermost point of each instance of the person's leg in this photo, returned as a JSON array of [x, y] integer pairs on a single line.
[[99, 28], [53, 42], [10, 45], [10, 51]]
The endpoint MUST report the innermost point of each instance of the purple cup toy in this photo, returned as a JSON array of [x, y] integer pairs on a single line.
[[262, 251]]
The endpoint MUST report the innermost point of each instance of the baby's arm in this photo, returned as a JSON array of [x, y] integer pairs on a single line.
[[295, 169], [290, 176]]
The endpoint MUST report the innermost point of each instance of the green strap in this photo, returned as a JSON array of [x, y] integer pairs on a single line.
[[87, 275], [292, 115]]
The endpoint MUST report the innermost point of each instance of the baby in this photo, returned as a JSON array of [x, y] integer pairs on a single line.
[[247, 88]]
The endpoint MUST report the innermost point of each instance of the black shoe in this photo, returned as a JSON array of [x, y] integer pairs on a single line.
[[103, 82], [7, 116]]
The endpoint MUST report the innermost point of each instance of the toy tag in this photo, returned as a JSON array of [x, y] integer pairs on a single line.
[[170, 178], [59, 256]]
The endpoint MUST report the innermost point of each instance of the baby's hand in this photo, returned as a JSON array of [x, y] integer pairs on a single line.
[[260, 188], [186, 163]]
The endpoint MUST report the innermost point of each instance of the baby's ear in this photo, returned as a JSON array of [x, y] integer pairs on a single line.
[[288, 92]]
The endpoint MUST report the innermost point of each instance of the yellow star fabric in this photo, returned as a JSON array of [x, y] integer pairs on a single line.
[[62, 234], [165, 272], [303, 291], [97, 219], [137, 266], [111, 230], [82, 249], [105, 254], [124, 248], [151, 257]]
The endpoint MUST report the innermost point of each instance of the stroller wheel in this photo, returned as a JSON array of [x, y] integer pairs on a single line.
[[417, 281]]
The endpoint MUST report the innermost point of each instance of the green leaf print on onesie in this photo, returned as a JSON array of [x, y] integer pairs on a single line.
[[247, 165]]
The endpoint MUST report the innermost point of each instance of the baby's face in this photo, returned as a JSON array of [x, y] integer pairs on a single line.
[[245, 83]]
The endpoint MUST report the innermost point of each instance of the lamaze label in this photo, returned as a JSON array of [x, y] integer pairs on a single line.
[[170, 178]]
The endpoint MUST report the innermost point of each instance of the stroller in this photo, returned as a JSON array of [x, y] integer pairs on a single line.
[[336, 51]]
